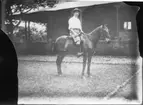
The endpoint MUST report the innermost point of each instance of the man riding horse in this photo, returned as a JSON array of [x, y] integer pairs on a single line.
[[75, 29]]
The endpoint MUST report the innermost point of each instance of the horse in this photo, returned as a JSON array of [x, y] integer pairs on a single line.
[[89, 42]]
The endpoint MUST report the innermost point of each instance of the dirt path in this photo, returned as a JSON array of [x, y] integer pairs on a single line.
[[95, 59]]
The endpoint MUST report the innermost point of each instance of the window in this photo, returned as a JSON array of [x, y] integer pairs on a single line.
[[127, 25]]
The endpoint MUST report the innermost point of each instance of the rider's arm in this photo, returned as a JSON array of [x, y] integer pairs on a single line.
[[81, 27], [70, 23], [81, 30]]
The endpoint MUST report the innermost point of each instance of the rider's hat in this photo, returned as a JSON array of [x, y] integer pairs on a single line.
[[76, 10]]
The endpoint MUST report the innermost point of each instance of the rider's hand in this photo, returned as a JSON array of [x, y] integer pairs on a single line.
[[82, 32]]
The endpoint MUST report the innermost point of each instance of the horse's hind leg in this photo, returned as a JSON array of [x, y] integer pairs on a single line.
[[58, 62]]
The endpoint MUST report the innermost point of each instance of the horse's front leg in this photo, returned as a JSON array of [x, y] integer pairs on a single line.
[[88, 66], [84, 63], [58, 62]]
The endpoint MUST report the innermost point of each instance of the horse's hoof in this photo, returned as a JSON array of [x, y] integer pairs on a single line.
[[79, 55], [65, 50], [83, 77], [89, 76], [60, 74]]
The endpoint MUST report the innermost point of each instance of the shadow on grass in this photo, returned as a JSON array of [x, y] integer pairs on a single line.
[[62, 94], [131, 96]]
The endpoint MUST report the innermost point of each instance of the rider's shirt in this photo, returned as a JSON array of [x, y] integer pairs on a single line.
[[74, 23]]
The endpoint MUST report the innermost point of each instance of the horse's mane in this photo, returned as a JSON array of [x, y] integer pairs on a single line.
[[94, 30], [89, 35]]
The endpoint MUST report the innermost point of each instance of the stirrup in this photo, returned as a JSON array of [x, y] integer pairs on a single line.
[[77, 43], [65, 50], [79, 54], [70, 37]]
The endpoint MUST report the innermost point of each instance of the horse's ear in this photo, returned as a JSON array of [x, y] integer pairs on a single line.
[[105, 25]]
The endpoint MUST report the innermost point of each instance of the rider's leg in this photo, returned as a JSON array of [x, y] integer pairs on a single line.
[[66, 45], [81, 48]]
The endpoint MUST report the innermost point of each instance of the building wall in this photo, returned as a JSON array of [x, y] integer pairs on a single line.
[[58, 24], [92, 17], [96, 16]]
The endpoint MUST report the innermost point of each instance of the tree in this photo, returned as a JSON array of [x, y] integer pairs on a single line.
[[10, 7], [3, 3]]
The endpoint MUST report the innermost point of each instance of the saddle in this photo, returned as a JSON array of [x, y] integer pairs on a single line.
[[71, 38], [79, 36]]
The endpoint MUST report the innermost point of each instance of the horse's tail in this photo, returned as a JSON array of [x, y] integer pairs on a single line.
[[54, 47]]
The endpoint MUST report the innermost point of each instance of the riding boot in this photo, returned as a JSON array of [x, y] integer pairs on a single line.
[[80, 53]]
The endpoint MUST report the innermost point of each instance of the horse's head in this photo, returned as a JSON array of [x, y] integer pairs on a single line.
[[105, 32]]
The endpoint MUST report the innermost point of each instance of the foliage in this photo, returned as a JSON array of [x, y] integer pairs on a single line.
[[22, 7], [19, 31], [34, 32]]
